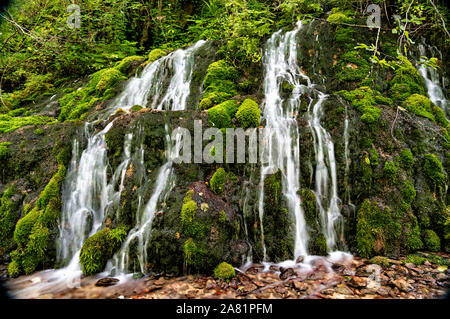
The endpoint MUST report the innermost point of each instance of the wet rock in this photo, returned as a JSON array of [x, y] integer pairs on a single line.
[[299, 259], [300, 286], [343, 290], [401, 284], [358, 282], [106, 282], [286, 273]]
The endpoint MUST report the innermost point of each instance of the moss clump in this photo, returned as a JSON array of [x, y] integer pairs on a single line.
[[100, 88], [188, 211], [390, 170], [364, 101], [219, 84], [135, 108], [193, 255], [248, 114], [415, 259], [33, 232], [14, 269], [422, 106], [100, 247], [217, 181], [431, 240], [433, 170], [222, 217], [125, 65], [380, 260], [352, 66], [344, 36], [317, 243], [224, 271], [219, 117], [406, 81], [9, 214], [406, 158], [155, 54], [408, 192], [4, 150], [339, 17]]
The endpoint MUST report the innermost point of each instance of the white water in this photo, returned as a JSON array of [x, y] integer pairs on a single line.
[[283, 142], [280, 62], [87, 195], [433, 83]]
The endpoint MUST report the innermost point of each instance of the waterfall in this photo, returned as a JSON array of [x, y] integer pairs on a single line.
[[433, 82], [325, 170], [281, 67]]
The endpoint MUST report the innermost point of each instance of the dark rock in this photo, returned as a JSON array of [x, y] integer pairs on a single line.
[[286, 273], [106, 282]]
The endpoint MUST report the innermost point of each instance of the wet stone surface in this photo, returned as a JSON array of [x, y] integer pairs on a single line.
[[356, 278]]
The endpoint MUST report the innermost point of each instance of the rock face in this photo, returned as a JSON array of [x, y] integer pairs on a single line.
[[391, 172]]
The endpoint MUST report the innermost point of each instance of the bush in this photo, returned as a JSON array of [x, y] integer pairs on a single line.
[[217, 182], [224, 271], [248, 114], [431, 240]]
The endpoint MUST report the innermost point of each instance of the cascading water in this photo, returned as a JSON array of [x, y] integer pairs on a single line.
[[280, 62], [87, 195], [283, 139], [433, 82]]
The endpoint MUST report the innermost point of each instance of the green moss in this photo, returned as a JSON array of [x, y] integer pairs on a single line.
[[433, 170], [408, 192], [193, 255], [36, 247], [224, 271], [222, 217], [317, 242], [413, 241], [364, 233], [24, 226], [248, 114], [219, 117], [339, 17], [39, 131], [364, 101], [217, 182], [344, 36], [390, 170], [4, 150], [99, 248], [155, 54], [318, 245], [419, 105], [219, 84], [9, 214], [125, 65], [53, 188], [352, 66], [373, 157], [406, 158], [14, 269], [135, 108], [431, 240], [406, 81], [188, 211], [380, 260], [415, 259], [9, 124]]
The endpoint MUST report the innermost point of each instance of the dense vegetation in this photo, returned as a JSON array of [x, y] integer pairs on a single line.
[[370, 72]]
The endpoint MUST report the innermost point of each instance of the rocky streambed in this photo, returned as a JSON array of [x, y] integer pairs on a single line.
[[318, 278]]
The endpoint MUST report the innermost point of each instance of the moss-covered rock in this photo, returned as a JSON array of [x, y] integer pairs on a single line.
[[217, 181], [431, 240], [155, 54], [433, 170], [352, 66], [224, 271], [406, 81], [248, 114], [363, 99], [100, 247], [219, 84]]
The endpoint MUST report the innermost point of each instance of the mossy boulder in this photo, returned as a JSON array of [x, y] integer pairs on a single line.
[[99, 248], [219, 84], [248, 114], [431, 240], [433, 170], [363, 99], [224, 271], [406, 81], [317, 242], [155, 54]]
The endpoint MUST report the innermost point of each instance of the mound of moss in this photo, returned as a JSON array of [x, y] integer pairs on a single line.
[[352, 66], [406, 81], [317, 242], [155, 54], [9, 123], [217, 181], [100, 247], [248, 114], [363, 99], [9, 215], [219, 84], [224, 271], [433, 170], [34, 233], [431, 240]]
